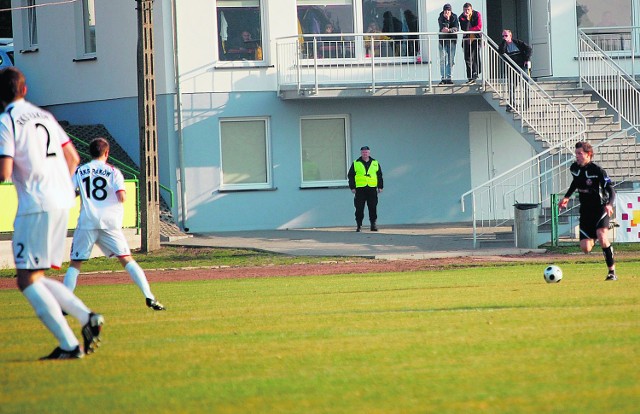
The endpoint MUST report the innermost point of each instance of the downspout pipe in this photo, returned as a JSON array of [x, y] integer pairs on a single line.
[[182, 186]]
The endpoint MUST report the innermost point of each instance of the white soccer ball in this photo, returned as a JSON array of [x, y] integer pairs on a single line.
[[552, 274]]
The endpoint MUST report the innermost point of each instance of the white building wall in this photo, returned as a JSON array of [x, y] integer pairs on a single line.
[[53, 72], [423, 143]]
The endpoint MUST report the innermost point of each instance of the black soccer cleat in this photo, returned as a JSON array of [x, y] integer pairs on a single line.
[[611, 276], [155, 305], [60, 353], [91, 332]]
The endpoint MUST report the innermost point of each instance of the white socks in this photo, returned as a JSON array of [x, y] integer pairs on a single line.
[[139, 278], [68, 301], [50, 313], [71, 278]]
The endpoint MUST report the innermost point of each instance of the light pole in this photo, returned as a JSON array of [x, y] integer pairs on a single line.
[[149, 188]]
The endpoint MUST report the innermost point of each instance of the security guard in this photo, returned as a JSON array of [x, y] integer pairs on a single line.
[[365, 181]]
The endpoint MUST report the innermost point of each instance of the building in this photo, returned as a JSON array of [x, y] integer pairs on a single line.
[[260, 113]]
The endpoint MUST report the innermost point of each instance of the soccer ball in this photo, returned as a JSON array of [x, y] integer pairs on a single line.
[[552, 274]]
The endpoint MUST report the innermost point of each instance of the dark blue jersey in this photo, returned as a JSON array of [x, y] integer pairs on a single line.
[[593, 185]]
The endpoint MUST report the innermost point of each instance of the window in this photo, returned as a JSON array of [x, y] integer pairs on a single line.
[[245, 154], [324, 155], [389, 16], [30, 25], [86, 16], [605, 24], [239, 30], [329, 18]]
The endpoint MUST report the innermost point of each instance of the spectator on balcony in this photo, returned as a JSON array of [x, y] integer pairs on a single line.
[[413, 45], [379, 41], [392, 24], [448, 39], [471, 21], [520, 53], [329, 46]]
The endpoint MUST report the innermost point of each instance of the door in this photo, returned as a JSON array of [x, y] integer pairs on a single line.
[[540, 32]]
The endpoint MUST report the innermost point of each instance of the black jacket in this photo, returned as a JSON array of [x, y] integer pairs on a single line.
[[523, 55], [452, 23]]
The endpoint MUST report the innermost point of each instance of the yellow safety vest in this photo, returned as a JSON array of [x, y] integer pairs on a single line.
[[366, 178]]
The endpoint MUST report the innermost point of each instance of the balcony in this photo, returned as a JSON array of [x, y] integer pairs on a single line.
[[364, 64]]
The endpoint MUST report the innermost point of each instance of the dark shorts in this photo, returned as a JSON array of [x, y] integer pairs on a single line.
[[591, 220]]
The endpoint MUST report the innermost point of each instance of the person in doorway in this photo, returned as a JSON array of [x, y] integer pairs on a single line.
[[471, 21], [38, 156], [448, 39], [520, 53], [597, 197], [102, 193], [365, 182]]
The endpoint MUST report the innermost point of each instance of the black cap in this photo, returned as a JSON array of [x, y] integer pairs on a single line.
[[364, 148], [447, 6]]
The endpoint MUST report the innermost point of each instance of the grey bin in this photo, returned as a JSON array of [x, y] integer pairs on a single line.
[[526, 225]]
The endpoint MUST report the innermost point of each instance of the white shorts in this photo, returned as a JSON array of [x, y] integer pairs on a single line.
[[111, 242], [38, 239]]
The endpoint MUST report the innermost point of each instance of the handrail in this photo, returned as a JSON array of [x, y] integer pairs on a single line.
[[552, 119], [557, 121], [308, 63], [618, 88]]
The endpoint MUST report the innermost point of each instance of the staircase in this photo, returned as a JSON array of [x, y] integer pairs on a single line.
[[554, 115], [83, 134]]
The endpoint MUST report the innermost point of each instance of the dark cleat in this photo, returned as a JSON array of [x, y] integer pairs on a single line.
[[91, 332], [155, 305], [60, 353], [611, 276]]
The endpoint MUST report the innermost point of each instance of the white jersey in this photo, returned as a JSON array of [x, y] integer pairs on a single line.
[[34, 139], [98, 184]]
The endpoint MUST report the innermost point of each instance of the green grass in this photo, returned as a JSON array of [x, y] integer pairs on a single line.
[[468, 340]]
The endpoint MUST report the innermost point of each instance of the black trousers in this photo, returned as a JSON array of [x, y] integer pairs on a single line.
[[368, 196], [471, 49]]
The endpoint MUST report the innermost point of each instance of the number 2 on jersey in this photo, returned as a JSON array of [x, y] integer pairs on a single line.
[[95, 188]]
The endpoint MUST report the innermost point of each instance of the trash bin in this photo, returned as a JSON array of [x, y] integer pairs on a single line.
[[526, 225]]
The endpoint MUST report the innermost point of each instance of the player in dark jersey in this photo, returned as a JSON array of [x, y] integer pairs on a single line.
[[596, 197]]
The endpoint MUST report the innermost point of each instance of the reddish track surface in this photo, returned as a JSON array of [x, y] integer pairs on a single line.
[[334, 268]]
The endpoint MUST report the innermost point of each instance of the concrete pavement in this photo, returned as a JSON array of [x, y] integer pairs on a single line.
[[391, 242]]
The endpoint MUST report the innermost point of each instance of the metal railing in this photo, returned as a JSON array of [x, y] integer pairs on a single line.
[[552, 120], [557, 122], [314, 62], [602, 73], [620, 43]]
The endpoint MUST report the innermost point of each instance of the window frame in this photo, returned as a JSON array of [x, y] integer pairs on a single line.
[[347, 155], [268, 184], [30, 25], [264, 22], [84, 38], [359, 48]]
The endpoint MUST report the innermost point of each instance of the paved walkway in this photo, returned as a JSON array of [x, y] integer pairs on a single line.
[[391, 242]]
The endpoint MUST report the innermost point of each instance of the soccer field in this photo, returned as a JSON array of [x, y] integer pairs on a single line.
[[470, 340]]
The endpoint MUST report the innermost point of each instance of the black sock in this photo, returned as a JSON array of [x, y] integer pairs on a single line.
[[608, 255]]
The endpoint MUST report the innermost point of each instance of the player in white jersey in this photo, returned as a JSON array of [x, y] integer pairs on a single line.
[[101, 188], [37, 155]]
